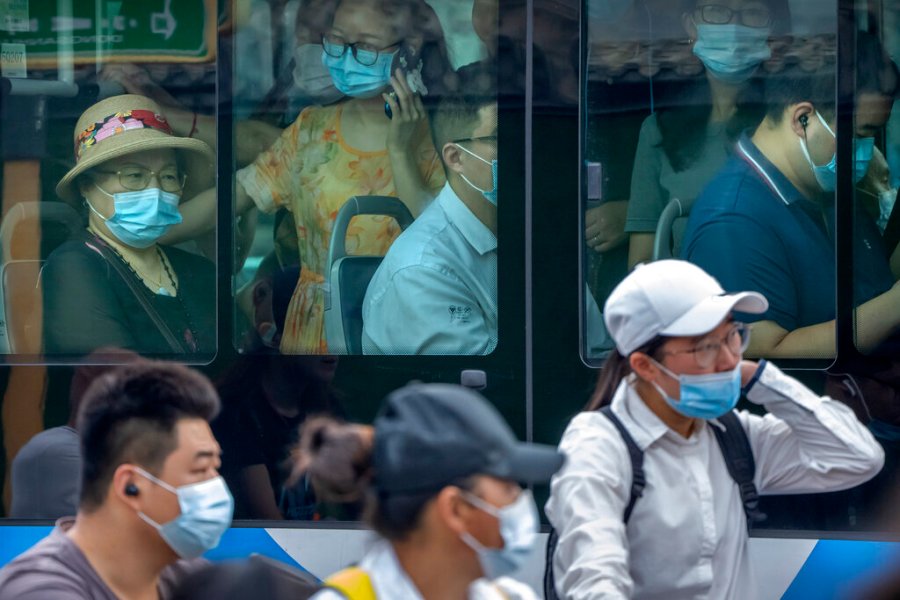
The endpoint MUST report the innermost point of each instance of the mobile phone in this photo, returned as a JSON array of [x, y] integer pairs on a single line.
[[409, 62]]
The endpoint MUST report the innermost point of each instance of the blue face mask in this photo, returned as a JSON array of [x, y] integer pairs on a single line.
[[490, 195], [704, 396], [357, 80], [140, 218], [826, 175], [519, 525], [732, 52], [206, 510]]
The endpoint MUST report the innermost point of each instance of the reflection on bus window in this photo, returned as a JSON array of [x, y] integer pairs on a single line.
[[365, 132], [104, 155]]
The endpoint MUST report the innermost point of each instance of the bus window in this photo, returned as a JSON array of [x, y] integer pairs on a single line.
[[377, 193], [107, 134], [676, 97]]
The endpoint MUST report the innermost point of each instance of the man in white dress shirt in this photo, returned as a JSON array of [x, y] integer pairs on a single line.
[[676, 371], [436, 291]]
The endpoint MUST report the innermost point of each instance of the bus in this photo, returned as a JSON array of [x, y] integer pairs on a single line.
[[610, 123]]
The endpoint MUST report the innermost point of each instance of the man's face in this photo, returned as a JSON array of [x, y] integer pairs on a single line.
[[196, 458]]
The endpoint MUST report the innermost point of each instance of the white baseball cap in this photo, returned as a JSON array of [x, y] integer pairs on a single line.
[[671, 298]]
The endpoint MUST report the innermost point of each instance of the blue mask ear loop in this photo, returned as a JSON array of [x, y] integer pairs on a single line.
[[91, 206], [466, 179], [805, 144]]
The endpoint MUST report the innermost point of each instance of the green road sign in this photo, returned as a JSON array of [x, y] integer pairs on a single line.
[[122, 30]]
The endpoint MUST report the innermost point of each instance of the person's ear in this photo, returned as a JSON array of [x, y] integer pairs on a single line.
[[452, 156], [690, 28], [799, 116], [643, 366], [453, 510], [125, 486]]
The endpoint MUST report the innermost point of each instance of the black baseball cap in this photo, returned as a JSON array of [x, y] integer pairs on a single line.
[[430, 435]]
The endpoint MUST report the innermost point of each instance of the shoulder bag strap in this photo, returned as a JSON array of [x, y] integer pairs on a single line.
[[638, 481], [139, 294], [739, 460]]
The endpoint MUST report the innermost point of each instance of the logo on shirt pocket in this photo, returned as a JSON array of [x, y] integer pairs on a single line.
[[460, 314]]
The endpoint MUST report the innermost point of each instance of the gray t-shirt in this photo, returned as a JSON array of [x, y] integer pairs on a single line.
[[46, 476], [654, 182], [56, 568]]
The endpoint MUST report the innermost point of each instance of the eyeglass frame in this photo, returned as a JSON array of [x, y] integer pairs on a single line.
[[731, 13], [481, 138], [151, 174], [354, 50], [737, 327]]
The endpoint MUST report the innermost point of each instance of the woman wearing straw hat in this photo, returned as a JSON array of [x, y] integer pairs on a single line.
[[115, 285]]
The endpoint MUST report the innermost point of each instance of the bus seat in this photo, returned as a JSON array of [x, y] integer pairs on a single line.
[[670, 229], [21, 298], [348, 276]]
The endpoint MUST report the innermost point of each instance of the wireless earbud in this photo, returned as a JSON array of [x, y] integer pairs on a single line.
[[131, 490], [804, 121]]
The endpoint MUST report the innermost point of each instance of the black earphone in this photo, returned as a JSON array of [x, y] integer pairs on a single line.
[[131, 490], [804, 121]]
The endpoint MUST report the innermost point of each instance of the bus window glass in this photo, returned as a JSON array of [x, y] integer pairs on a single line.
[[107, 134], [682, 157], [876, 228], [365, 186]]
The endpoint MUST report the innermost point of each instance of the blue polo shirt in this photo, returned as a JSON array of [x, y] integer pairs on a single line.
[[753, 230]]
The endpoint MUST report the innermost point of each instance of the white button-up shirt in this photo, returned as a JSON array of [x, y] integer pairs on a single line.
[[436, 290], [391, 582], [687, 535]]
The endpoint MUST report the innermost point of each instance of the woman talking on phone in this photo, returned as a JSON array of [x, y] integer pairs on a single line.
[[385, 56]]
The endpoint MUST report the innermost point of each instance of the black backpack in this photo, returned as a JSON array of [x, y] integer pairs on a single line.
[[738, 457]]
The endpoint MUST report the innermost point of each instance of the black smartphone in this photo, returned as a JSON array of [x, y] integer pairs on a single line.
[[409, 62]]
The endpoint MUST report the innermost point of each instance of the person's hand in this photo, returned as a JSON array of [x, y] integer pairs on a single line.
[[408, 114], [605, 226], [748, 370]]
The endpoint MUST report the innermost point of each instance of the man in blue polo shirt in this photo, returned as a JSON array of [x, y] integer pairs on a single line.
[[436, 290], [766, 221]]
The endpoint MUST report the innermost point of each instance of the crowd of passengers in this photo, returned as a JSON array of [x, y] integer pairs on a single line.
[[438, 474]]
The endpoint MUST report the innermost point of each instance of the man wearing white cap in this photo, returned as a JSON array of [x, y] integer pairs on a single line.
[[675, 375]]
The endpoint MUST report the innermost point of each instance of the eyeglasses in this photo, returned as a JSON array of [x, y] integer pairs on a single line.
[[705, 354], [137, 178], [365, 54], [483, 138], [716, 14]]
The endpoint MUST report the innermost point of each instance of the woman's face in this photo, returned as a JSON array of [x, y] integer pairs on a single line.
[[125, 174]]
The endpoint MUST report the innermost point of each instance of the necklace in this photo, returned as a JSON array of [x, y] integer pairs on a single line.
[[189, 335]]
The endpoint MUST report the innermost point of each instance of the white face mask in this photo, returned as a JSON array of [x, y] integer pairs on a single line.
[[206, 510], [518, 528]]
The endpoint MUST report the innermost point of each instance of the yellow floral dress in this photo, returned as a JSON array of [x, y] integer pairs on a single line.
[[312, 171]]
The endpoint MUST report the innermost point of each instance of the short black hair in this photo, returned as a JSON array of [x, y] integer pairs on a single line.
[[875, 73], [456, 115], [129, 415]]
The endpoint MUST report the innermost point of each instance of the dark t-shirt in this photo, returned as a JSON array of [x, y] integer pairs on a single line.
[[87, 303], [55, 568], [252, 433]]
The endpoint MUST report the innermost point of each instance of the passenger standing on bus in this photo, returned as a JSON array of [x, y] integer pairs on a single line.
[[439, 474], [151, 496], [436, 290], [676, 369], [682, 147], [353, 147]]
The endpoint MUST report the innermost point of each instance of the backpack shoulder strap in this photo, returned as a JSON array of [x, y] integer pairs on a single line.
[[738, 457], [353, 583], [638, 481]]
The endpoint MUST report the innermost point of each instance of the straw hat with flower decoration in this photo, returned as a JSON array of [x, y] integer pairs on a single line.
[[121, 125]]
